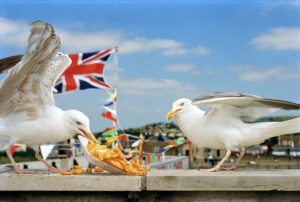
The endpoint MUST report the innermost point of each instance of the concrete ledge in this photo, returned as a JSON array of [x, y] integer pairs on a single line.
[[57, 182], [156, 180], [238, 180]]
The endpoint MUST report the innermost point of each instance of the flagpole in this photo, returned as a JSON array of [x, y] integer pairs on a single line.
[[115, 88], [190, 156], [116, 66]]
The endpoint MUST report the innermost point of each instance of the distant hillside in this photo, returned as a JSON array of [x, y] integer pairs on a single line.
[[173, 130]]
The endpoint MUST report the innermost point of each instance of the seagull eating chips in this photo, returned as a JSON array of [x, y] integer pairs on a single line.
[[227, 124], [28, 114]]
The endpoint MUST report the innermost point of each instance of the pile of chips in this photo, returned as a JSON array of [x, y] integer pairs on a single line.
[[77, 169], [115, 157]]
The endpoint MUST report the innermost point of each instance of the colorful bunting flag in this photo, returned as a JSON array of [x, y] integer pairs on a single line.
[[136, 143], [148, 159], [160, 138], [134, 151], [113, 111], [13, 149], [109, 116], [158, 157], [141, 149], [178, 142], [166, 148], [110, 140], [128, 156], [46, 149], [120, 147], [109, 104], [123, 137], [142, 137], [109, 132], [153, 158], [173, 143], [112, 95]]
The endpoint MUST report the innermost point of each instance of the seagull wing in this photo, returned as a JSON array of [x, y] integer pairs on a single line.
[[9, 62], [29, 83], [244, 106]]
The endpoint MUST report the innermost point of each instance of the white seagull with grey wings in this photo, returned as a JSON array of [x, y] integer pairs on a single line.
[[28, 114], [227, 124]]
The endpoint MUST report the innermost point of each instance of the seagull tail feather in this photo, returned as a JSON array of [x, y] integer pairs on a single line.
[[285, 127]]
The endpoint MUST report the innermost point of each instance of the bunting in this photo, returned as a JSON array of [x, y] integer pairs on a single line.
[[110, 140], [109, 116], [166, 148], [112, 111], [109, 132], [173, 143], [46, 150], [136, 143], [160, 138], [141, 149], [178, 142], [123, 137], [13, 149]]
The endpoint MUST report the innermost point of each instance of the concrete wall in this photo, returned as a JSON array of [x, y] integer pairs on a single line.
[[158, 185]]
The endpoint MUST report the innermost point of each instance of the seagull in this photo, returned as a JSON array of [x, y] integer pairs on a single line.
[[28, 114], [228, 124]]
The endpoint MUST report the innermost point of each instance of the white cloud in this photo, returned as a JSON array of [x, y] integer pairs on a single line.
[[15, 34], [180, 67], [146, 45], [199, 50], [276, 73], [156, 87], [187, 68], [85, 41], [241, 68], [280, 38]]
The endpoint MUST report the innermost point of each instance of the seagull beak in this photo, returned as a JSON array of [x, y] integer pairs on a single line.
[[89, 135], [172, 113]]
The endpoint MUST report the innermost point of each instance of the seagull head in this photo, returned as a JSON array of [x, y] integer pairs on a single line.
[[79, 123], [179, 106]]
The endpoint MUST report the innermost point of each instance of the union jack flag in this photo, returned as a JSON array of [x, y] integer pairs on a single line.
[[85, 71]]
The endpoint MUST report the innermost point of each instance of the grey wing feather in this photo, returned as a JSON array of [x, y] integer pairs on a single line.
[[29, 83], [245, 106], [9, 62]]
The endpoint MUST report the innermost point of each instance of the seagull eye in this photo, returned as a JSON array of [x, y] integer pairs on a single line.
[[181, 104], [78, 123]]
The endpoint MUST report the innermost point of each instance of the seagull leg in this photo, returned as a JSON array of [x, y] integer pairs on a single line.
[[51, 168], [16, 168], [233, 167], [218, 166]]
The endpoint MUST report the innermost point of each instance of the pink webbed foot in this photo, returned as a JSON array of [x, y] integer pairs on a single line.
[[21, 171], [53, 169], [229, 168], [210, 170]]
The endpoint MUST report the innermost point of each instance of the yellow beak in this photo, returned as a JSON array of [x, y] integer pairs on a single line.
[[172, 113], [90, 136]]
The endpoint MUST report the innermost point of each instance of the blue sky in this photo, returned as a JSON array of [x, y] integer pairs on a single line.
[[169, 50]]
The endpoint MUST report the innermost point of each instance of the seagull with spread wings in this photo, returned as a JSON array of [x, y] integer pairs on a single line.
[[28, 114], [227, 124]]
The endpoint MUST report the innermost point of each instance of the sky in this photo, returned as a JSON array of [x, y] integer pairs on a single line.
[[168, 50]]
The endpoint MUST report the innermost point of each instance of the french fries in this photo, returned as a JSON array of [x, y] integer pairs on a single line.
[[98, 169], [114, 157], [117, 159]]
